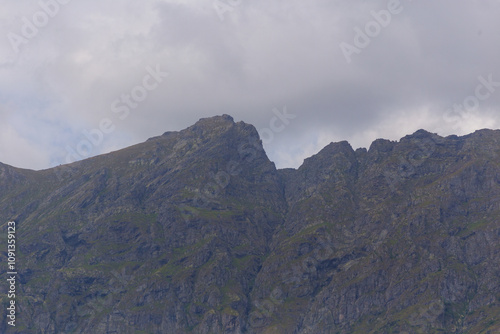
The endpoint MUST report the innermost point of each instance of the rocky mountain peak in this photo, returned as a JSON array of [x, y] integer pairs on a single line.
[[212, 125], [333, 158]]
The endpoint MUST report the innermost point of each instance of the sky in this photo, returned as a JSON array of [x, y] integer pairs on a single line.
[[82, 78]]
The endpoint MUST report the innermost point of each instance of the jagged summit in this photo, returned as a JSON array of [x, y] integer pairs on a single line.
[[205, 124], [328, 154], [215, 120], [212, 127]]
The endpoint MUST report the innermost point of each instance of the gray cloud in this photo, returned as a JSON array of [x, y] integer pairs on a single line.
[[263, 55]]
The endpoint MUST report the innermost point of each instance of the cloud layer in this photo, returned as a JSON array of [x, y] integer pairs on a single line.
[[64, 64]]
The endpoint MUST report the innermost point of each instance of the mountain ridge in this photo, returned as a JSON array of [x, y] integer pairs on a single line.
[[206, 122], [197, 231]]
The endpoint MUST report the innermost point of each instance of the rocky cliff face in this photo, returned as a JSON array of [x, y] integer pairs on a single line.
[[197, 232]]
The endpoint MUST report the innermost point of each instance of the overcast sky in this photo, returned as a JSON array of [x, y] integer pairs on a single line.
[[344, 70]]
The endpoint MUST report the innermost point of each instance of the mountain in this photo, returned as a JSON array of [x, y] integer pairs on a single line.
[[196, 231]]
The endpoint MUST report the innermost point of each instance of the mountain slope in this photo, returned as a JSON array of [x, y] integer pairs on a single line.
[[196, 231]]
